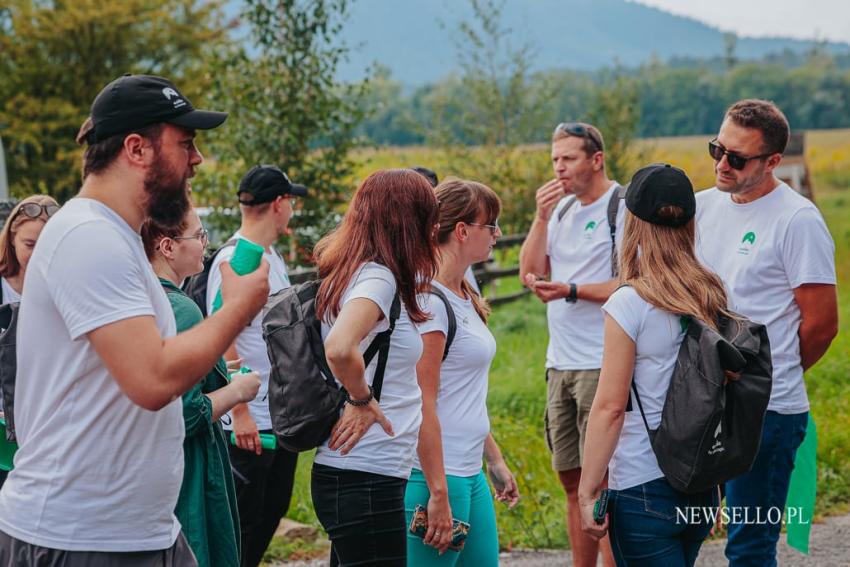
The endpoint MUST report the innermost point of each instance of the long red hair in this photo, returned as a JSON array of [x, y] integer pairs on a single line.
[[391, 221]]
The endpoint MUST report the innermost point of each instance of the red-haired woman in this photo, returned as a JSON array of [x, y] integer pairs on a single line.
[[384, 249]]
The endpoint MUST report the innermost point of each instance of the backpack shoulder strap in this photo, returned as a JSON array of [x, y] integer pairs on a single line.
[[450, 315], [381, 345], [229, 244], [618, 194], [563, 212], [640, 407]]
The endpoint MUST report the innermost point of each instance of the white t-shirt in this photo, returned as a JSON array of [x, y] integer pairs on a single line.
[[464, 374], [762, 251], [579, 250], [250, 344], [657, 335], [94, 472], [401, 400], [9, 294]]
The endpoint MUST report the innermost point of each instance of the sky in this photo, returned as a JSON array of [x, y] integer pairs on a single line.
[[801, 19]]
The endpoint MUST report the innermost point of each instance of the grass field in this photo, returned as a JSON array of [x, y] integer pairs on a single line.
[[517, 389]]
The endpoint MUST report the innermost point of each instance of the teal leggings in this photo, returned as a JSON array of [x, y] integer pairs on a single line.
[[471, 502]]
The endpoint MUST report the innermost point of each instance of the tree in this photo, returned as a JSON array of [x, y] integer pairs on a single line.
[[616, 112], [502, 105], [287, 109], [58, 55], [730, 42]]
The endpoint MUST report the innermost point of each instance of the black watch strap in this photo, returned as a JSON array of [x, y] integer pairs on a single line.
[[573, 296]]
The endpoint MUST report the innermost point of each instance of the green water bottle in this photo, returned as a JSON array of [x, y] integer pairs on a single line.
[[246, 258], [267, 440]]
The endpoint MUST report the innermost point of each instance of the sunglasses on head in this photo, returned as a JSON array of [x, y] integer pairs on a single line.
[[580, 130], [35, 210], [735, 160]]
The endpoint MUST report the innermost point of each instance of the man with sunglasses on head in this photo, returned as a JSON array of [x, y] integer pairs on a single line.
[[568, 261], [775, 255], [263, 477], [100, 368]]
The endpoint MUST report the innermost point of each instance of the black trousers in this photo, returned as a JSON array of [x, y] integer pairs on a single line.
[[363, 514], [263, 492], [17, 553]]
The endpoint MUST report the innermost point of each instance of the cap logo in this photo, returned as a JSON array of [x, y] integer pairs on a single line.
[[170, 93]]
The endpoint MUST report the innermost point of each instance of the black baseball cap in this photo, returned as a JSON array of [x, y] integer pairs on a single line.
[[427, 174], [659, 185], [132, 102], [265, 183]]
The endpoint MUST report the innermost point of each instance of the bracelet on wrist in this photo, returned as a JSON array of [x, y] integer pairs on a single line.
[[573, 296], [359, 403]]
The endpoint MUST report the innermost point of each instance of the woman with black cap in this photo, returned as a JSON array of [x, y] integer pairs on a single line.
[[662, 281]]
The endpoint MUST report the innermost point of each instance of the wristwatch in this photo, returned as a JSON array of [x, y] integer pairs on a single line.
[[573, 296], [359, 403]]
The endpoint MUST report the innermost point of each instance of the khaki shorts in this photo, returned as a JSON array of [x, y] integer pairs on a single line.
[[569, 397]]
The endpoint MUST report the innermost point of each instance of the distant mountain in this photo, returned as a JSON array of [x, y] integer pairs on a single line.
[[414, 38]]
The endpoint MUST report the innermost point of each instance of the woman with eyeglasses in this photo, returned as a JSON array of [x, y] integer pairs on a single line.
[[372, 266], [447, 477], [17, 241], [206, 507]]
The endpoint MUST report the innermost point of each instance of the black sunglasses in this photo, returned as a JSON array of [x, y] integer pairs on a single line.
[[735, 160], [35, 210], [580, 130]]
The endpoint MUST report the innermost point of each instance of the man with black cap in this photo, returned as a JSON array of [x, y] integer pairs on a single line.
[[264, 478], [100, 370]]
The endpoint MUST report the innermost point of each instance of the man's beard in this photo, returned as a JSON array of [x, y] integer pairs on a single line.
[[167, 195]]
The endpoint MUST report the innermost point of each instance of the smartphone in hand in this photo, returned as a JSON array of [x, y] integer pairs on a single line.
[[419, 525], [600, 508]]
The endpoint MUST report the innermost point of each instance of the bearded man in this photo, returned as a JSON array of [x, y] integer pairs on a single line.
[[100, 369]]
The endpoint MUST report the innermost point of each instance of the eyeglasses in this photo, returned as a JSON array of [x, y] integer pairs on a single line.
[[201, 235], [582, 131], [494, 228], [735, 160], [35, 210]]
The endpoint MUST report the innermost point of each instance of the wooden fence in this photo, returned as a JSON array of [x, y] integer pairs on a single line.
[[486, 273]]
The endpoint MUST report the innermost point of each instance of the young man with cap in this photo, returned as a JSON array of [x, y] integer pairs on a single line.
[[571, 243], [772, 248], [643, 334], [100, 370], [264, 478]]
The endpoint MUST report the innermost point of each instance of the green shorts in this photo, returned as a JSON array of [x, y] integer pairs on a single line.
[[569, 397]]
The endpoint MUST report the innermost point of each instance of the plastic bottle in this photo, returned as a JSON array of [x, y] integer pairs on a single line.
[[267, 440], [246, 258]]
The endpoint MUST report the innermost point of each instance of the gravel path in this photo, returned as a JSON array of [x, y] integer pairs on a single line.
[[830, 547]]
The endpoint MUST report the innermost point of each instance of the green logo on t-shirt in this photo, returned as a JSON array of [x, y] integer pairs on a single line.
[[747, 243], [590, 226]]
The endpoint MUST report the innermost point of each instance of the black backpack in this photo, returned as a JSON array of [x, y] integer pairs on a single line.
[[613, 207], [196, 286], [711, 426], [452, 330], [304, 398], [8, 364]]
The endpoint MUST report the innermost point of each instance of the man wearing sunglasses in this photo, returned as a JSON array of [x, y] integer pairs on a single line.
[[775, 255], [100, 370], [568, 261], [264, 478]]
